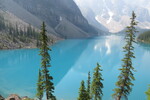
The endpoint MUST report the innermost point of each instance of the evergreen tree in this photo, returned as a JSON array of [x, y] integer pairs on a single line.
[[2, 23], [97, 85], [45, 64], [40, 86], [124, 84], [82, 92], [89, 86], [148, 93], [38, 43], [16, 31]]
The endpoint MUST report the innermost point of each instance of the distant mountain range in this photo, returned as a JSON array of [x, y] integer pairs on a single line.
[[63, 17], [115, 14], [65, 20]]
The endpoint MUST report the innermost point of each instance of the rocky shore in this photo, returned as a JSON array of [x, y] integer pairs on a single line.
[[7, 42], [143, 41], [15, 97]]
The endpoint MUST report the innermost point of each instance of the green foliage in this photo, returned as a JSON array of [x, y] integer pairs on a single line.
[[45, 64], [82, 92], [89, 87], [40, 86], [144, 37], [124, 84], [148, 93], [2, 23], [97, 85]]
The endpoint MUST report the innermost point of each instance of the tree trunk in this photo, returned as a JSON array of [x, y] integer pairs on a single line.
[[47, 96], [119, 98]]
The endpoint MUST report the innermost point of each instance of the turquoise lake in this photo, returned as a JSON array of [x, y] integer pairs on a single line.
[[71, 61]]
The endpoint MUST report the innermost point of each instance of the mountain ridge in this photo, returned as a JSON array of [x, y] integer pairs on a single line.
[[63, 20], [34, 12]]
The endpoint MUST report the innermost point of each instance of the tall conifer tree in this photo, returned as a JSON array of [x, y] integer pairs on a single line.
[[97, 85], [82, 92], [124, 83], [45, 64], [148, 93], [89, 86], [40, 87]]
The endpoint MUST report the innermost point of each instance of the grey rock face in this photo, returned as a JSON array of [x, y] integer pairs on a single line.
[[52, 11]]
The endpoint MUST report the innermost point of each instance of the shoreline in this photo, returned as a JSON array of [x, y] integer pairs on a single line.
[[15, 97], [143, 42], [28, 46]]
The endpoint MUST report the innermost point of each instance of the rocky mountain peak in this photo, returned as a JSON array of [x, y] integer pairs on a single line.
[[115, 14]]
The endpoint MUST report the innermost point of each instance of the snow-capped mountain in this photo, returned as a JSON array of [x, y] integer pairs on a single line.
[[115, 14]]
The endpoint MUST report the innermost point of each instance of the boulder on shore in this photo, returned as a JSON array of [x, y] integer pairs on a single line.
[[13, 97], [26, 98], [2, 98]]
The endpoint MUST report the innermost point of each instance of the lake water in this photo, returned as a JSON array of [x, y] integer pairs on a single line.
[[71, 61]]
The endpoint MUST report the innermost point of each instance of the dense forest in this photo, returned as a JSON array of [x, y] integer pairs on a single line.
[[12, 36], [144, 37]]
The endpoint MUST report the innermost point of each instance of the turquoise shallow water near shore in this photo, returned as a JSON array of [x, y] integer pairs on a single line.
[[71, 61]]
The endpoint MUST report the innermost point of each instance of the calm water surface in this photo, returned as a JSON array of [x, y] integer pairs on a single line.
[[71, 61]]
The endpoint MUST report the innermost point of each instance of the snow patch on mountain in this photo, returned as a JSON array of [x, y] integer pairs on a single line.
[[110, 18]]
